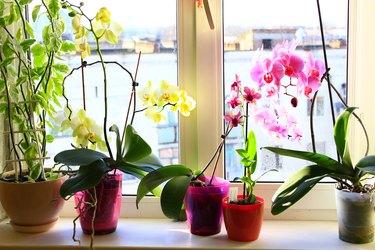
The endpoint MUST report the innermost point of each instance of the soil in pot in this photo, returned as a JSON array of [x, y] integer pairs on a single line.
[[108, 194], [203, 205], [243, 222]]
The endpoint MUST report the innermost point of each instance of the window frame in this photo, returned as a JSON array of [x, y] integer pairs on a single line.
[[200, 71]]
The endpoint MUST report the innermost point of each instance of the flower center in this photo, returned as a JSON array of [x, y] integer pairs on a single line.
[[289, 71], [268, 78]]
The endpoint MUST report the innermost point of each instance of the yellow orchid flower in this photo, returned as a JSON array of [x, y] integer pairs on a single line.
[[167, 93], [83, 47], [154, 114], [86, 132], [185, 103], [146, 94], [105, 28], [78, 28], [103, 15]]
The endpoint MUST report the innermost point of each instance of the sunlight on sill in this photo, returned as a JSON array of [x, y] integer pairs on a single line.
[[166, 234]]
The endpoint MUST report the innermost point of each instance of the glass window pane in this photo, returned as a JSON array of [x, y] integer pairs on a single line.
[[144, 30], [250, 25]]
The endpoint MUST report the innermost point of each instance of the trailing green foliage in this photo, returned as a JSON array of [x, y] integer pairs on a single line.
[[348, 176], [31, 75]]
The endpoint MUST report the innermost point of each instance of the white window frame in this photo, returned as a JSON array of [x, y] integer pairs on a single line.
[[200, 71]]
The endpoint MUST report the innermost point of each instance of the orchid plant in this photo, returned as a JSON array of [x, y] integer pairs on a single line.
[[92, 144], [272, 77]]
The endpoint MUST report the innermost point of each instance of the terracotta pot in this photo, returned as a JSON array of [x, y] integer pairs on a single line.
[[355, 215], [243, 222], [32, 207], [109, 195], [203, 206]]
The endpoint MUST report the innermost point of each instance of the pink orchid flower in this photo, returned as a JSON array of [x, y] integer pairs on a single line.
[[264, 117], [310, 82], [296, 134], [278, 131], [251, 95], [266, 72], [234, 118], [236, 85], [234, 99], [293, 63]]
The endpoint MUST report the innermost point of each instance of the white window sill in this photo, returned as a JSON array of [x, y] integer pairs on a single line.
[[165, 234]]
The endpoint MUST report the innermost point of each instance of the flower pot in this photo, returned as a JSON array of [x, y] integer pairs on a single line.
[[243, 222], [355, 215], [32, 207], [203, 206], [108, 194]]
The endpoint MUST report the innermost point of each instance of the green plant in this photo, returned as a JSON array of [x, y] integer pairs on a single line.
[[31, 79], [349, 176], [132, 155], [178, 178]]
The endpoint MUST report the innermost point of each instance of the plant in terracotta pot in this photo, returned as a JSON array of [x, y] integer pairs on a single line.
[[96, 185], [31, 76]]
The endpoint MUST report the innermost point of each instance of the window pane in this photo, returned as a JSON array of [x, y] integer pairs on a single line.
[[144, 30], [249, 25]]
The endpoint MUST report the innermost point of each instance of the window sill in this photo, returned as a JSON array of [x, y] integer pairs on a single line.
[[166, 234]]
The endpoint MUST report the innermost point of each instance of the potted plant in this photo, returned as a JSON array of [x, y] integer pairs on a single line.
[[354, 182], [354, 196], [189, 194], [96, 184], [31, 74]]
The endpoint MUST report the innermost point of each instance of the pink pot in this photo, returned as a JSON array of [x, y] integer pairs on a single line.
[[109, 194], [203, 206]]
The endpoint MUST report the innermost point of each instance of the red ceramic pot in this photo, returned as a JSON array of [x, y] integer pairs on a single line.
[[109, 193], [203, 206], [243, 222]]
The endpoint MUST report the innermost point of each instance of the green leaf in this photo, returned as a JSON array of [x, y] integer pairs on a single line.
[[78, 157], [320, 159], [367, 164], [340, 134], [135, 147], [38, 49], [67, 46], [114, 129], [49, 138], [297, 186], [88, 176], [24, 2], [54, 7], [8, 49], [35, 12], [157, 177], [1, 8], [27, 43], [150, 161], [2, 22], [35, 171], [63, 68], [172, 196], [29, 29], [241, 152]]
